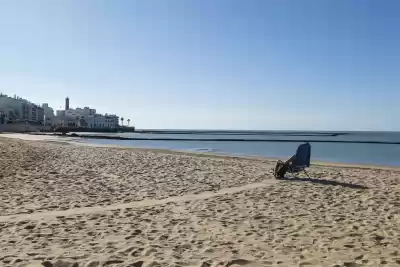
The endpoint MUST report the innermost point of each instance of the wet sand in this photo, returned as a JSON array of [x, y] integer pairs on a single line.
[[63, 204]]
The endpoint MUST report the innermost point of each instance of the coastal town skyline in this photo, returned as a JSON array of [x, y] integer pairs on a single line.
[[17, 110]]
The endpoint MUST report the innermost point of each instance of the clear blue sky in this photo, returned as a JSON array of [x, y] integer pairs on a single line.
[[268, 64]]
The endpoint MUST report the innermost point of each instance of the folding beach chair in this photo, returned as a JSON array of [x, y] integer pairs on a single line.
[[301, 160]]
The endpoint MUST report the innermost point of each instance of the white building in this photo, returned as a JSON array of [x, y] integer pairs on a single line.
[[86, 111], [18, 110], [85, 117], [102, 121], [48, 114]]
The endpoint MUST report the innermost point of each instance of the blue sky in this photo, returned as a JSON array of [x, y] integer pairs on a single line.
[[268, 64]]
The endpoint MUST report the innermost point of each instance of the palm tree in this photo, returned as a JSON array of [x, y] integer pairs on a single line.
[[122, 121], [129, 120], [77, 121]]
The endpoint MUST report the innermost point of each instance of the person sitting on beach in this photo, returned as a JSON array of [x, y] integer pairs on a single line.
[[300, 159], [282, 167]]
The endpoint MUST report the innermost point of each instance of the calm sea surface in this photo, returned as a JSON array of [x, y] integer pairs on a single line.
[[269, 144]]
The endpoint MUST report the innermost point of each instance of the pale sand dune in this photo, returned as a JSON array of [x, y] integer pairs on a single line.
[[88, 206]]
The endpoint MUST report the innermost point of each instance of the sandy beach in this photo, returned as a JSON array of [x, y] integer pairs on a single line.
[[64, 204]]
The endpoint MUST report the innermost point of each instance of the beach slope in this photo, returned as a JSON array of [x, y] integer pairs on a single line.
[[64, 204]]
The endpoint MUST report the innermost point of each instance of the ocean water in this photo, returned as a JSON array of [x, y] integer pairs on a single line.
[[341, 147]]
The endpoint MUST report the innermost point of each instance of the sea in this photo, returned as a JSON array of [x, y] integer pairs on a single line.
[[369, 148]]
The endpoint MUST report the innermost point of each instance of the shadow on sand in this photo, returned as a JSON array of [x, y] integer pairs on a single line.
[[323, 182]]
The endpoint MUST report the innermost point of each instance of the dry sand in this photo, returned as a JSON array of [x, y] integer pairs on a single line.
[[68, 205]]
